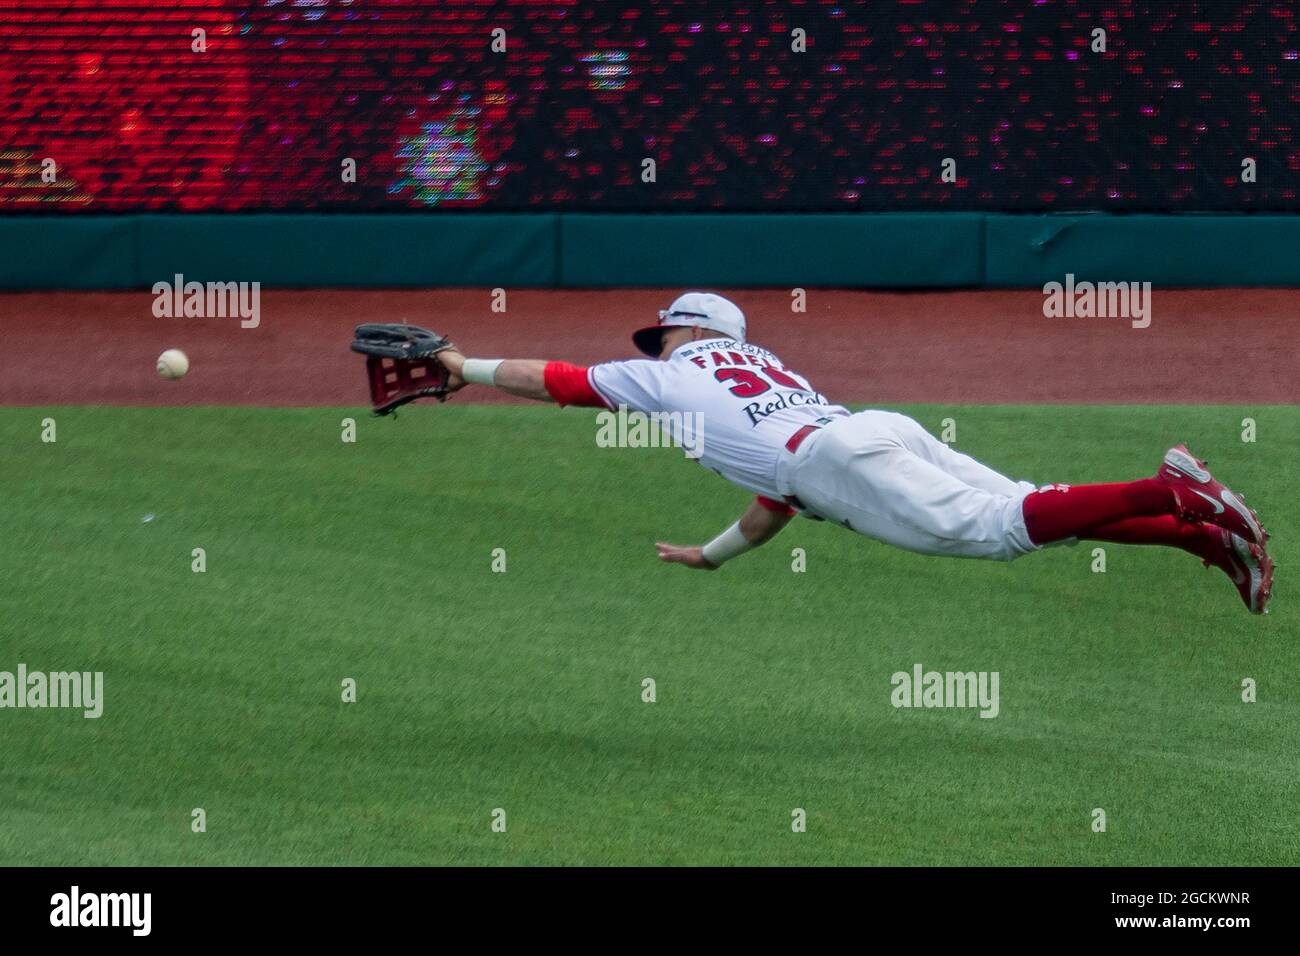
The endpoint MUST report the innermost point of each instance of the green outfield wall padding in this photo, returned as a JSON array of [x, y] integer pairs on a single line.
[[884, 250], [561, 250], [351, 250], [1195, 250], [67, 252]]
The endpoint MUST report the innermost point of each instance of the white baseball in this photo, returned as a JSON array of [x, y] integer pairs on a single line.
[[173, 364]]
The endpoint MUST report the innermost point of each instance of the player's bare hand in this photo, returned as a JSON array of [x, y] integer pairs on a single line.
[[692, 557], [453, 361]]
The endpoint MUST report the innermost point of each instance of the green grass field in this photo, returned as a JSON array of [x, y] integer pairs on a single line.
[[522, 690]]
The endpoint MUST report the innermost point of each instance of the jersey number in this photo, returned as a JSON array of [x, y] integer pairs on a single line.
[[749, 383]]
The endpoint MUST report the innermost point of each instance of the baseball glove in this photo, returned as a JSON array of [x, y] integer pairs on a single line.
[[402, 364]]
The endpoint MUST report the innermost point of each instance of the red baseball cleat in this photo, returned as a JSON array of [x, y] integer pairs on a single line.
[[1249, 566], [1199, 497]]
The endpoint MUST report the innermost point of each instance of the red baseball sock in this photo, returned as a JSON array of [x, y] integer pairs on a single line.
[[1067, 511], [1167, 530]]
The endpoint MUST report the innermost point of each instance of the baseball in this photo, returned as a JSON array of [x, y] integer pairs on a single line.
[[173, 364]]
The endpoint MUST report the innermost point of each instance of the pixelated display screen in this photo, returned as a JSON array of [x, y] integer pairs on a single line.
[[1040, 104]]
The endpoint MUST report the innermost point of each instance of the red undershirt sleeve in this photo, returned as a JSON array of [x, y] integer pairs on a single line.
[[568, 385], [780, 507]]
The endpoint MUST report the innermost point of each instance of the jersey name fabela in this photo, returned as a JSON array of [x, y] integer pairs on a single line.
[[750, 371]]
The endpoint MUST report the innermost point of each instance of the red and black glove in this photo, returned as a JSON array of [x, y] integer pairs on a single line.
[[401, 364]]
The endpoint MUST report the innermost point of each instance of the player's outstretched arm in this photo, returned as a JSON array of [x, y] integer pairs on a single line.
[[525, 377], [758, 525]]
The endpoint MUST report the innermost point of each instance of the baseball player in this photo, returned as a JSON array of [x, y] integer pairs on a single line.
[[765, 428]]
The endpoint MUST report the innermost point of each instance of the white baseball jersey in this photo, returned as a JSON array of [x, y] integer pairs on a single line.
[[736, 402]]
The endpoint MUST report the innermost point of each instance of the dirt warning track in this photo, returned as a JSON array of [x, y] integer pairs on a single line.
[[1202, 347]]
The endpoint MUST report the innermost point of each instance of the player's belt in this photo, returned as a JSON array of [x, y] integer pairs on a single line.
[[798, 437], [792, 446]]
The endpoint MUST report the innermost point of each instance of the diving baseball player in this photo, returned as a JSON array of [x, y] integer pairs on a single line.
[[765, 428]]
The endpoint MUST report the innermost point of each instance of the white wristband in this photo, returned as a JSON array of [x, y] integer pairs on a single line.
[[480, 371], [726, 546]]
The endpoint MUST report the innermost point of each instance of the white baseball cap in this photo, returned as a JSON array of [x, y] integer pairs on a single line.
[[705, 310]]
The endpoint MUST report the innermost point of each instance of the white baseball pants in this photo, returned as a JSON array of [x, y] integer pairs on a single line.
[[884, 476]]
